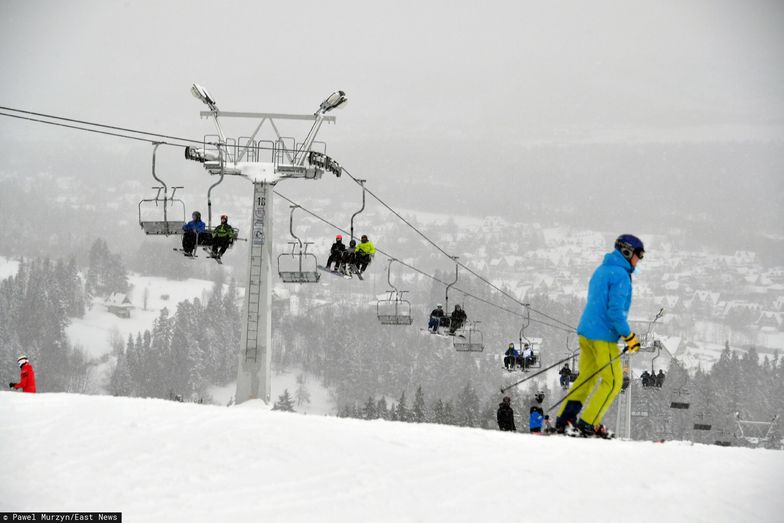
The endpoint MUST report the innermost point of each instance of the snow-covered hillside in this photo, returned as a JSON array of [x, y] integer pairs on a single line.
[[93, 332], [156, 460]]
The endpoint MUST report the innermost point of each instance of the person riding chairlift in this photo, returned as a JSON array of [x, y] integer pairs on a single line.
[[192, 232], [457, 319], [435, 318], [364, 252], [222, 237], [336, 253]]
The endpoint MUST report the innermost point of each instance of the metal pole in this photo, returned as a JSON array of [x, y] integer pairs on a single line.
[[254, 373], [629, 400]]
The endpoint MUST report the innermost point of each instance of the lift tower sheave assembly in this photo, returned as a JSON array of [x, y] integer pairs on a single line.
[[264, 163]]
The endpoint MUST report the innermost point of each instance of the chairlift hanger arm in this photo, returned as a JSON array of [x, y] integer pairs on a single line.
[[389, 277], [450, 285], [526, 323], [291, 227], [209, 198], [362, 183]]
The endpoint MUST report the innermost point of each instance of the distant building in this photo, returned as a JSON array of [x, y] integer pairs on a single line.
[[118, 304]]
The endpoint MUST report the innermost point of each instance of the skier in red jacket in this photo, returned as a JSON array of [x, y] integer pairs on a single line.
[[27, 376]]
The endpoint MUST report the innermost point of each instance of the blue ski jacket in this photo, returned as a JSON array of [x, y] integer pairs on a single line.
[[609, 299], [511, 352], [196, 226], [535, 419]]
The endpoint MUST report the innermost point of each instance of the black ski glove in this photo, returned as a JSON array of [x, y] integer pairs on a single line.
[[11, 385]]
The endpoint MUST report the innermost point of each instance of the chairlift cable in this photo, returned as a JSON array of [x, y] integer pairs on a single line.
[[420, 271], [146, 140], [438, 247], [356, 180], [94, 124]]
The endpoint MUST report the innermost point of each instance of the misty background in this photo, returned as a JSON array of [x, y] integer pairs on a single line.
[[627, 116]]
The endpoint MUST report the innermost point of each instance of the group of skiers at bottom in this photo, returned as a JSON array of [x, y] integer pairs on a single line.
[[353, 260], [523, 359], [538, 422], [649, 379], [452, 322], [219, 239], [26, 381]]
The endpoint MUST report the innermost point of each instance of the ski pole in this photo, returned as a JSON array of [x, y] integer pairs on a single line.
[[504, 389], [551, 407]]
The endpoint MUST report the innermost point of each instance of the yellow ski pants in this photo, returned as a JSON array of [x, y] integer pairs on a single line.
[[595, 354]]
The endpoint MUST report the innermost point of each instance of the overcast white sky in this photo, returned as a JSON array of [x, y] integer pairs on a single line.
[[512, 71], [434, 87]]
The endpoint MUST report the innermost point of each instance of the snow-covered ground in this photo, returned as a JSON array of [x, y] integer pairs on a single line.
[[156, 460], [8, 268], [320, 399], [93, 332]]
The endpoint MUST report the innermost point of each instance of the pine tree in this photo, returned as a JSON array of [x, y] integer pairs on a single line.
[[468, 407], [403, 414], [382, 411], [120, 382], [369, 412], [438, 412], [419, 406], [285, 402], [449, 413]]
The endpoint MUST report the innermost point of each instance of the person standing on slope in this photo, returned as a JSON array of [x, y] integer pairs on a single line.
[[602, 324], [26, 376], [505, 415], [536, 414]]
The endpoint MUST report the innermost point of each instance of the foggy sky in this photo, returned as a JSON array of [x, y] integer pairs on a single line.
[[433, 86]]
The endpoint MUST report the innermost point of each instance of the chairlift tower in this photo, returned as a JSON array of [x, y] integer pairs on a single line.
[[264, 163]]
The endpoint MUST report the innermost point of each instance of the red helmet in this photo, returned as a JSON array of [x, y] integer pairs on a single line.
[[339, 237]]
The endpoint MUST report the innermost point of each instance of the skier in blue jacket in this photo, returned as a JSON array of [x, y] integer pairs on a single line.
[[602, 324], [191, 230]]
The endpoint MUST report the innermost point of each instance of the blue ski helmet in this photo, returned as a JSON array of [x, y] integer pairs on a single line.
[[629, 245]]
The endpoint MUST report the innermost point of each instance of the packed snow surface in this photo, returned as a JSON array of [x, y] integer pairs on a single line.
[[157, 460]]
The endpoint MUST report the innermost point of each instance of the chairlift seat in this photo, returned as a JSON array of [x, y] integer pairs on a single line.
[[702, 426], [469, 339], [299, 276], [394, 310], [395, 319], [298, 267], [162, 228], [682, 405], [464, 346]]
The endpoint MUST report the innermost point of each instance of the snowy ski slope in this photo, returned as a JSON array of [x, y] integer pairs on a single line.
[[156, 460]]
